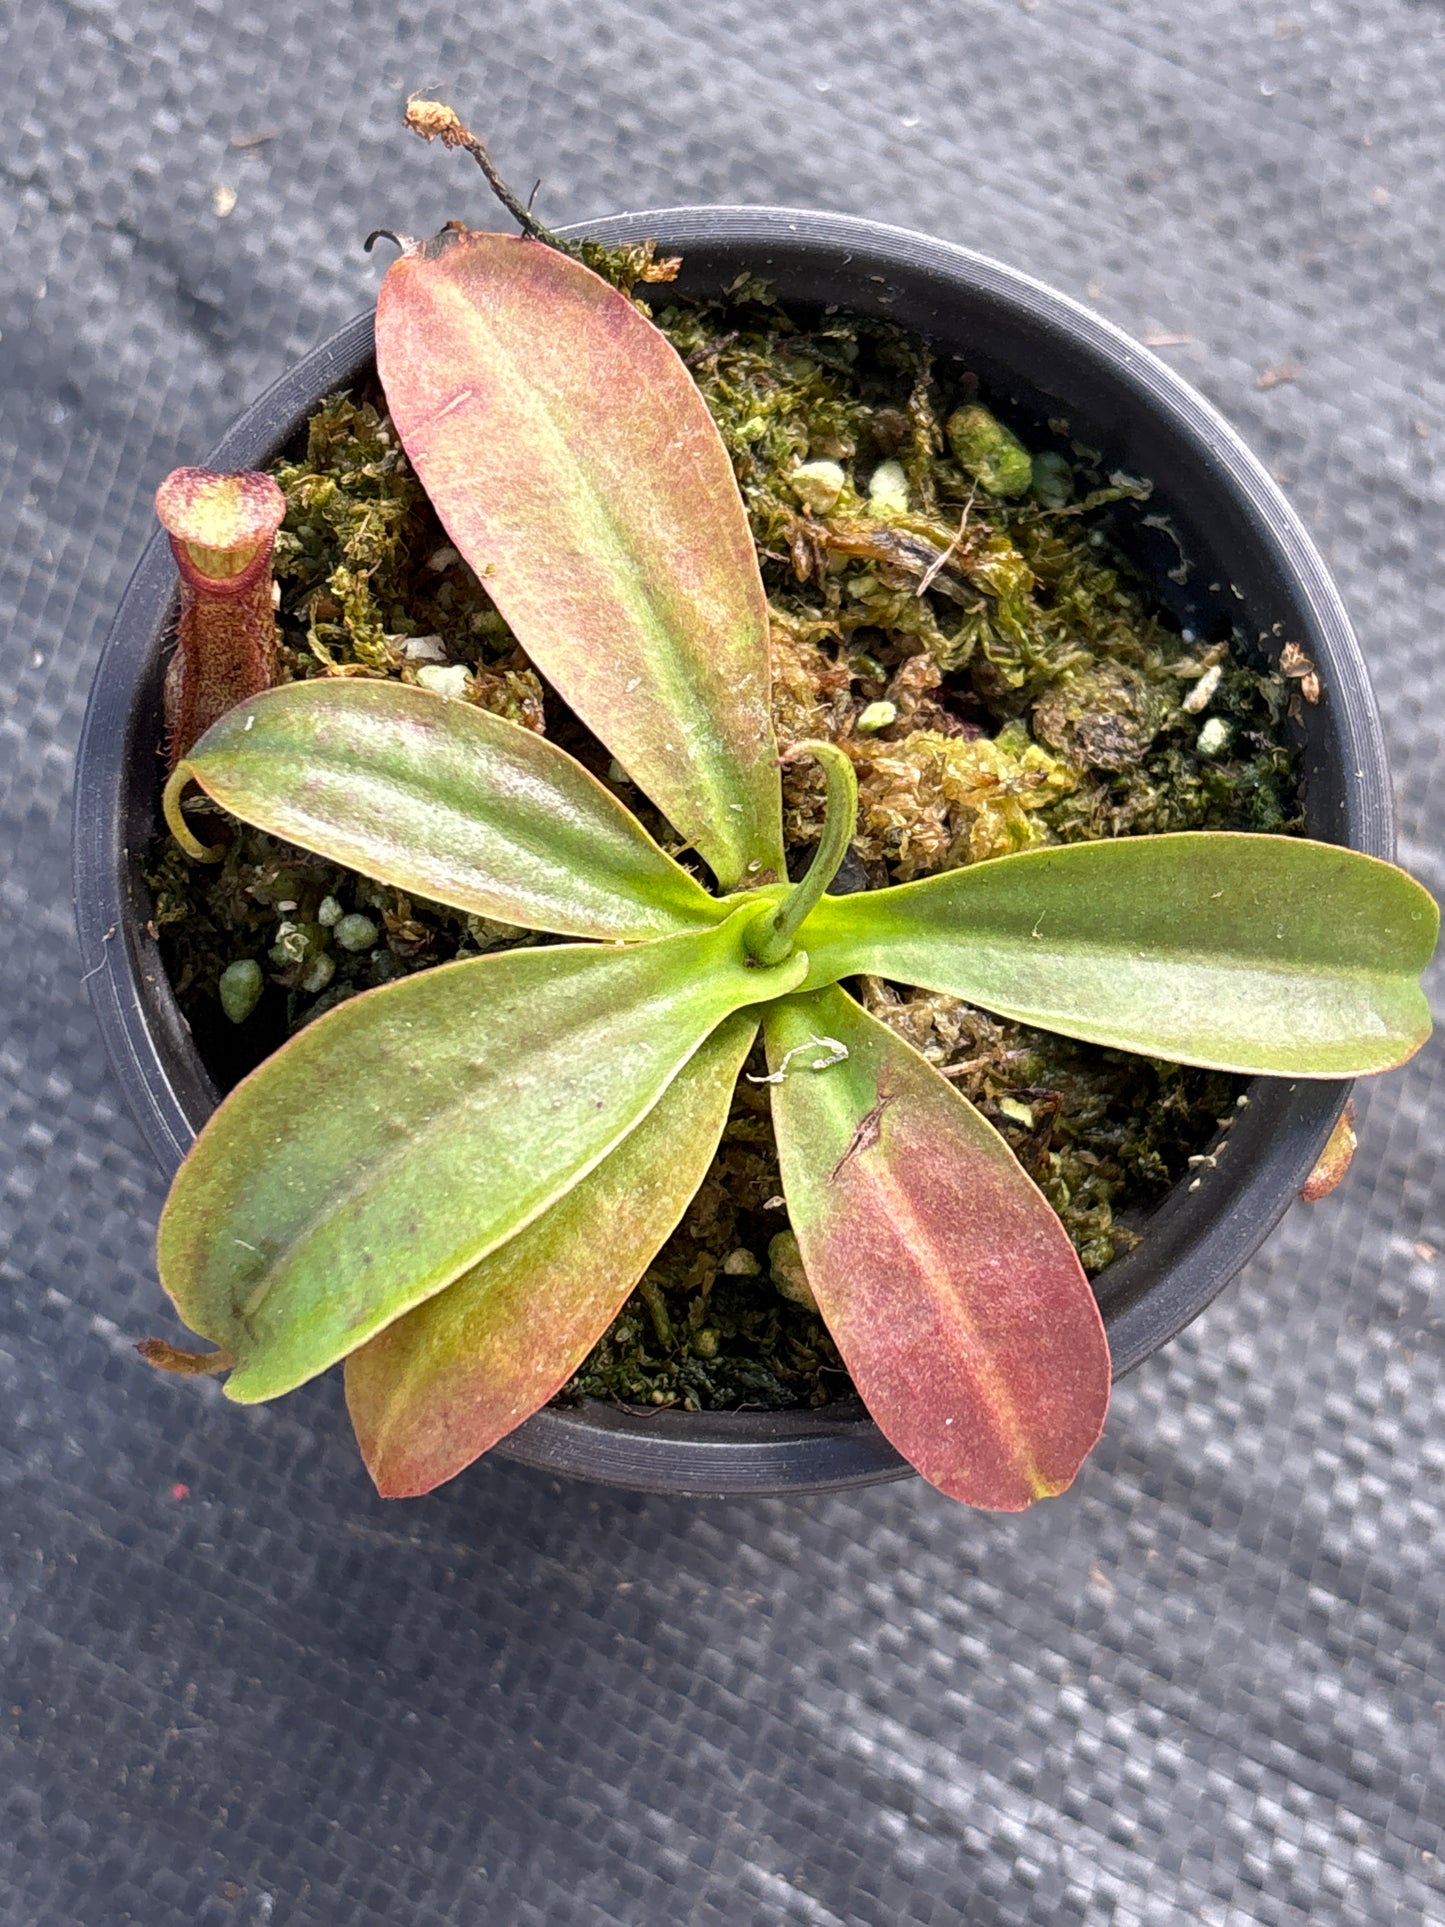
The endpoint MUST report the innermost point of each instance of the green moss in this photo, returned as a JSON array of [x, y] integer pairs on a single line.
[[957, 610], [370, 583], [708, 1326]]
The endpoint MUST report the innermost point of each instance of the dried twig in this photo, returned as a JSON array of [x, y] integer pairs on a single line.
[[434, 120]]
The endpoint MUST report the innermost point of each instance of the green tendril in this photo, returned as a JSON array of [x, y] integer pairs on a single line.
[[171, 804], [770, 939]]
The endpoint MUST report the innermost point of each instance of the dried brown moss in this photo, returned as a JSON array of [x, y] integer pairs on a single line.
[[950, 606]]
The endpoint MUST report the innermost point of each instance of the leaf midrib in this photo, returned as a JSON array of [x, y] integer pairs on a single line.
[[956, 1314], [679, 677]]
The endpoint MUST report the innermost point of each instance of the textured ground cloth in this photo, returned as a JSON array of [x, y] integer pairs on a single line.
[[1207, 1685]]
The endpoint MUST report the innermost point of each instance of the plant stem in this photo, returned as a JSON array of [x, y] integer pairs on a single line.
[[770, 940], [434, 120]]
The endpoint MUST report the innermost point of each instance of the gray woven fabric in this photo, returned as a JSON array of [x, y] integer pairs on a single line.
[[1207, 1685]]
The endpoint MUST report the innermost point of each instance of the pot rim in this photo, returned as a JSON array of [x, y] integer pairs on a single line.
[[1181, 1265]]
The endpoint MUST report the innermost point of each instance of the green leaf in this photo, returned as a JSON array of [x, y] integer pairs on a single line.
[[575, 466], [444, 1383], [449, 802], [949, 1286], [401, 1137], [1264, 954]]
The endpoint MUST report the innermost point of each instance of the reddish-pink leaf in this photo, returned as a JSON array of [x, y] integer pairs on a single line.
[[443, 1384], [949, 1285], [576, 467]]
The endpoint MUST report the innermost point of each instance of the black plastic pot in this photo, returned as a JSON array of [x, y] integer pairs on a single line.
[[1041, 356]]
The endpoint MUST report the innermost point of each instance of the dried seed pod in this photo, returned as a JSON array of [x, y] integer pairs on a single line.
[[222, 528], [1295, 664]]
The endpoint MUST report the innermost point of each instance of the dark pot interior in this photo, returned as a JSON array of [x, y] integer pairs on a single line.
[[1038, 355]]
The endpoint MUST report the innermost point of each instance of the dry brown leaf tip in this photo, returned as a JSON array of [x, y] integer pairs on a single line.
[[1334, 1160], [166, 1357]]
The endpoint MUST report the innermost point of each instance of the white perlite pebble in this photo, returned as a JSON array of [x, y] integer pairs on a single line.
[[1199, 695], [424, 649], [448, 681], [888, 489], [818, 485]]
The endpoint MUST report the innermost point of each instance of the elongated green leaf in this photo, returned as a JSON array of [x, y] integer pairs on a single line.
[[445, 800], [949, 1286], [1267, 954], [443, 1384], [404, 1135], [575, 465]]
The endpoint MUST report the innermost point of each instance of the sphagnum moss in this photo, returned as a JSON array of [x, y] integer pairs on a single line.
[[970, 636]]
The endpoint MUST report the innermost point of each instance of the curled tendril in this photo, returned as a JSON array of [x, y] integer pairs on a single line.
[[771, 938]]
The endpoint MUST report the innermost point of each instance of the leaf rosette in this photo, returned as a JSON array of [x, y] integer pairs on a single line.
[[453, 1181]]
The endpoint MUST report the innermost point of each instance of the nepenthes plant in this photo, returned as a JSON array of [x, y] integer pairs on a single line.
[[453, 1181]]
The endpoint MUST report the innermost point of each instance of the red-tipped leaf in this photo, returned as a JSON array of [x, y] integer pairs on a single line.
[[575, 465], [395, 1141], [443, 1384], [949, 1286]]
